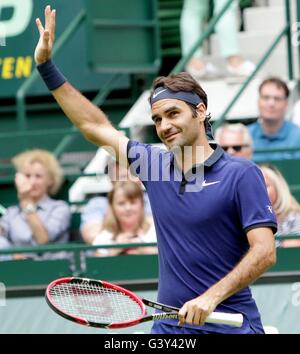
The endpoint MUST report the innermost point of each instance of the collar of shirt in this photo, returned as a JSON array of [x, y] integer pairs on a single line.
[[213, 158], [44, 202]]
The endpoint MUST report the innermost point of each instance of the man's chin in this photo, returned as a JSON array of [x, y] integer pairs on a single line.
[[175, 147], [271, 119]]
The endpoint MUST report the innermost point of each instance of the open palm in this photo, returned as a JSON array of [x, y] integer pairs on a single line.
[[45, 44]]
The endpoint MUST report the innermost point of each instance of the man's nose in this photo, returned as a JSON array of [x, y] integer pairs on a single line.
[[165, 125]]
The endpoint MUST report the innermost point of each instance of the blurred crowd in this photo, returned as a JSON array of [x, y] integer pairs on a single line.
[[124, 215]]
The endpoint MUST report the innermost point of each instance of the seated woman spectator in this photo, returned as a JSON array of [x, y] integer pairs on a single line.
[[93, 213], [286, 207], [125, 221], [37, 219]]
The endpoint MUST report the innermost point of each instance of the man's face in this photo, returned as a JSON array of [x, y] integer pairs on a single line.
[[272, 103], [234, 144], [175, 124]]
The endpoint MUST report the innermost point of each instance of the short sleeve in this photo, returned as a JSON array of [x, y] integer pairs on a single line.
[[148, 162], [253, 204], [139, 159]]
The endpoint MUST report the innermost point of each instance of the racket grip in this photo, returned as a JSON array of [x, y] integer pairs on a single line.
[[231, 319]]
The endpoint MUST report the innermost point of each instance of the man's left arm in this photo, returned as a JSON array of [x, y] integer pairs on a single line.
[[261, 256]]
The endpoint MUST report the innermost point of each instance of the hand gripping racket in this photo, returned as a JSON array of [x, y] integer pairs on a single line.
[[101, 304]]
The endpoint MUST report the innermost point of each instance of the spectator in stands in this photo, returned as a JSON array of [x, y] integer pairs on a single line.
[[193, 15], [272, 131], [37, 219], [286, 207], [231, 137], [125, 221], [94, 212], [235, 140]]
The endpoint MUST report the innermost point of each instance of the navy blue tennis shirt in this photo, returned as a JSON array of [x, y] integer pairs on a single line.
[[201, 234]]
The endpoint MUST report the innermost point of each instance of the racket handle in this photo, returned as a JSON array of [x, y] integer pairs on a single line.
[[231, 319]]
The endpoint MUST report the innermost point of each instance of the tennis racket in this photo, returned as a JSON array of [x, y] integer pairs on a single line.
[[101, 304]]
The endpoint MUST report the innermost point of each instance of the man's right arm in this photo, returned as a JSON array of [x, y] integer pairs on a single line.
[[88, 118]]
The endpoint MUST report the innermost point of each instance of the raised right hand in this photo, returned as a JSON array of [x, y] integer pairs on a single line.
[[23, 186], [45, 44]]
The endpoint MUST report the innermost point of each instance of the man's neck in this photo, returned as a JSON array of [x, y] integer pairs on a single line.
[[193, 155], [271, 127]]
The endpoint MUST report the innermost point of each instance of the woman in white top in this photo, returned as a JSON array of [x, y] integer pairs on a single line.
[[125, 221], [286, 207]]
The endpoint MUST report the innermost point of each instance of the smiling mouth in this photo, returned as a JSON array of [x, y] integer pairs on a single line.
[[170, 136]]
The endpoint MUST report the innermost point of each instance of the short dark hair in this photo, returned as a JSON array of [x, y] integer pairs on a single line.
[[183, 82], [180, 82], [277, 82]]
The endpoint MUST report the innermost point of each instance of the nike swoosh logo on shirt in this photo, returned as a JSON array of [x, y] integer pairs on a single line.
[[204, 184], [158, 93]]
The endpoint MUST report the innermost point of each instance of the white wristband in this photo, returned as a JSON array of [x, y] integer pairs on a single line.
[[30, 209]]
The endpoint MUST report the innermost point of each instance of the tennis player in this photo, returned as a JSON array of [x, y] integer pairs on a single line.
[[213, 218]]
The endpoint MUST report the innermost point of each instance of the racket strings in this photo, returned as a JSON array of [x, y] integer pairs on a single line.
[[95, 303]]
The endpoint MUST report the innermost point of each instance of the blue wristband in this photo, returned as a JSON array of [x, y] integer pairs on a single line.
[[51, 75]]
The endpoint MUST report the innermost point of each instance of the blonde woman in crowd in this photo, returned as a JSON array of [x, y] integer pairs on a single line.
[[125, 221], [286, 207], [37, 219]]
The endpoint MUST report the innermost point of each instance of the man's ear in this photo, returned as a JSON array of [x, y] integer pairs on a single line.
[[201, 110]]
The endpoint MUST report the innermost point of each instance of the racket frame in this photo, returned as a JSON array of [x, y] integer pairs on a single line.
[[168, 311], [104, 284]]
